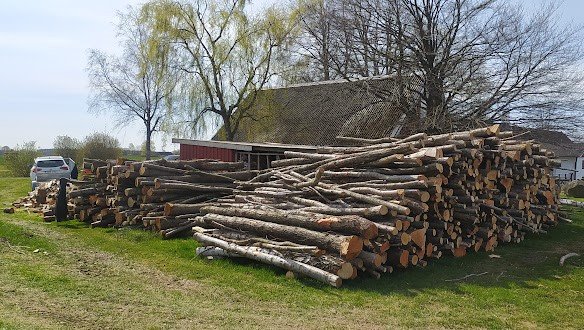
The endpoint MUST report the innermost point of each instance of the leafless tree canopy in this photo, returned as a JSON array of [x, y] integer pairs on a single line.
[[138, 84], [456, 63]]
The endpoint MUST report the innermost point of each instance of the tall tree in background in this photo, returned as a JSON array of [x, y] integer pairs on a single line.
[[459, 62], [226, 53], [67, 147], [101, 146], [138, 84]]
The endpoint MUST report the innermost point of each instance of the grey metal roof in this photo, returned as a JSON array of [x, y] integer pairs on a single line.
[[556, 141]]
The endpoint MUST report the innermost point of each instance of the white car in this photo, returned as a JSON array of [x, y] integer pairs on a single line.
[[49, 168]]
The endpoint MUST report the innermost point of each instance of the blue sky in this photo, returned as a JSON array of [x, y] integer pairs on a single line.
[[43, 56]]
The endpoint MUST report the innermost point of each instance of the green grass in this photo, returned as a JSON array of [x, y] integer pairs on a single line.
[[134, 157], [132, 278], [4, 171], [578, 199]]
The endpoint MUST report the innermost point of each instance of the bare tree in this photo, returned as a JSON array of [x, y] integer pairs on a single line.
[[460, 62], [226, 53], [138, 84]]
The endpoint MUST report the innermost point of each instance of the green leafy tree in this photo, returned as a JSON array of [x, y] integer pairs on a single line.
[[226, 53], [20, 159], [132, 147]]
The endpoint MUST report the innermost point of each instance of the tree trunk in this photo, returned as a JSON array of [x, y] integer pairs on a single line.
[[258, 255], [347, 224], [347, 247], [148, 140]]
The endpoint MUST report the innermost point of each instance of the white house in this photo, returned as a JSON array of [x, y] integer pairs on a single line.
[[572, 157], [570, 153]]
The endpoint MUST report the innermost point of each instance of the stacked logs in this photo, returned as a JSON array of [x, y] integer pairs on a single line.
[[87, 199], [369, 208], [42, 200], [381, 205], [125, 193]]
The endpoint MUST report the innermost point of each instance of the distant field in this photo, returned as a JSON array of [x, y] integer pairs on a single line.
[[134, 157], [127, 278]]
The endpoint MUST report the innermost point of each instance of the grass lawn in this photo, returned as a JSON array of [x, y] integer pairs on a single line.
[[578, 199], [110, 278]]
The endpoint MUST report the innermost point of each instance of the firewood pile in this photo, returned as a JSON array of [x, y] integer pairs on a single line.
[[372, 207], [382, 205], [126, 193], [41, 200]]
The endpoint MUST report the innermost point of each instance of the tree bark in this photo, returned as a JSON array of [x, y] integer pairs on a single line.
[[346, 224], [258, 255], [347, 247]]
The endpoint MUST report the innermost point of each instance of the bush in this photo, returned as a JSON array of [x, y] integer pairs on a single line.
[[19, 160], [101, 146], [67, 147], [574, 188]]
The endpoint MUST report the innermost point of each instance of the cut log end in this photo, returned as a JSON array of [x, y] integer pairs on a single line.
[[383, 210], [351, 247], [346, 271], [405, 238]]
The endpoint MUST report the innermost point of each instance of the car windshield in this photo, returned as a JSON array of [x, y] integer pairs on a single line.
[[50, 163]]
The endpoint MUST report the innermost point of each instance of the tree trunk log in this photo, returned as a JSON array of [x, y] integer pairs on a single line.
[[347, 224], [347, 247], [258, 255]]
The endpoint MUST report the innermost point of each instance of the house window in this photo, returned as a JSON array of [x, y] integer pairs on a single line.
[[583, 164]]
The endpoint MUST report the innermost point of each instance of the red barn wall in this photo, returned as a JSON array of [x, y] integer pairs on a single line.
[[188, 151]]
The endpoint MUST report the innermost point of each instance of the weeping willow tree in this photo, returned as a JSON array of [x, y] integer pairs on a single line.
[[139, 83], [226, 53]]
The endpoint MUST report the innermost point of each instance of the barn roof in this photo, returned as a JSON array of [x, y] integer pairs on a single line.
[[316, 113], [566, 150], [556, 141]]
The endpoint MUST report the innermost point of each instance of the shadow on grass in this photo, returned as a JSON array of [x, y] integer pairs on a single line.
[[519, 265]]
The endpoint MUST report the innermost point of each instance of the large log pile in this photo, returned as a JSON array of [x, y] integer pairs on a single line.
[[384, 204], [126, 193], [369, 208]]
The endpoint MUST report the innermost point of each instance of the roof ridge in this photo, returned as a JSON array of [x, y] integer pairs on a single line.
[[330, 82]]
